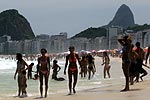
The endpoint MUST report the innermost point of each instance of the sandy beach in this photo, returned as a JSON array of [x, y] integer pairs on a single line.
[[109, 89], [138, 91]]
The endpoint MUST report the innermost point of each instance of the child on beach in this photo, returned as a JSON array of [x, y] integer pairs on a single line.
[[30, 71], [56, 68]]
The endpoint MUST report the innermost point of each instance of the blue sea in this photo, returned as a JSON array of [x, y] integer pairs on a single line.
[[8, 86]]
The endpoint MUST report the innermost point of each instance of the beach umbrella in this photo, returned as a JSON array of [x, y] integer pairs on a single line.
[[68, 52], [87, 52], [146, 49]]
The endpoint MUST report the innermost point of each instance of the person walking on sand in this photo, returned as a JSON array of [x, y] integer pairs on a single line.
[[30, 71], [72, 69], [132, 69], [83, 66], [43, 70], [106, 63], [139, 62], [126, 43], [91, 66], [21, 71]]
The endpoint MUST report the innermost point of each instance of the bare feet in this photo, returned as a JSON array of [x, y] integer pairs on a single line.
[[74, 91], [45, 95], [124, 90], [70, 93], [141, 78]]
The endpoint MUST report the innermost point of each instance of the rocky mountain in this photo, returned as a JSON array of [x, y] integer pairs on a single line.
[[123, 17], [15, 25]]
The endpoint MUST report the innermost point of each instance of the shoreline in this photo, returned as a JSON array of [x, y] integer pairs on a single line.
[[138, 91], [96, 88]]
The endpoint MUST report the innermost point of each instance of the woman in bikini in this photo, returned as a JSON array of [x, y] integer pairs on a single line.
[[43, 71], [72, 68], [20, 70], [106, 63]]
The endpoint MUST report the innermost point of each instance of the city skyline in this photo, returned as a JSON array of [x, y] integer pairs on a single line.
[[54, 16]]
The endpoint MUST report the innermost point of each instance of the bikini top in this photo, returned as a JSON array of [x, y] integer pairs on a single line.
[[43, 61], [74, 58]]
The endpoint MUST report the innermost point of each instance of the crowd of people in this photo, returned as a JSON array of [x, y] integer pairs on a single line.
[[132, 62]]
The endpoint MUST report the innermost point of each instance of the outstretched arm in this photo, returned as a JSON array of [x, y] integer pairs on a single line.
[[26, 65], [58, 68]]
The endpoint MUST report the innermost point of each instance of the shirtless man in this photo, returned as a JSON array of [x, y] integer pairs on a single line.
[[72, 68], [139, 62]]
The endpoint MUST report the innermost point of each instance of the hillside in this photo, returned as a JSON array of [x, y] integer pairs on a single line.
[[123, 18], [15, 25], [92, 33]]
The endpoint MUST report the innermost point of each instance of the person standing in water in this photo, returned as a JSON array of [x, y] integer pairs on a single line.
[[56, 68], [43, 70], [83, 66], [106, 63], [30, 71], [72, 68], [91, 66], [126, 62], [21, 71]]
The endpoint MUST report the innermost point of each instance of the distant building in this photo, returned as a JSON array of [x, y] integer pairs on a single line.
[[60, 43], [42, 36], [113, 32]]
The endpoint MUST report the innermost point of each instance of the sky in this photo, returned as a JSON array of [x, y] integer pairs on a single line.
[[73, 16]]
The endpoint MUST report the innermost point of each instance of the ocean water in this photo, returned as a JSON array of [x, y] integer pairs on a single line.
[[8, 86]]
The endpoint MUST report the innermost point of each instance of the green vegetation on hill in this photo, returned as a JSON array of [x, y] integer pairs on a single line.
[[92, 33], [139, 27]]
